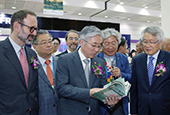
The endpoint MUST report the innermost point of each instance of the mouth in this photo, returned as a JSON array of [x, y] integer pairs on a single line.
[[30, 37]]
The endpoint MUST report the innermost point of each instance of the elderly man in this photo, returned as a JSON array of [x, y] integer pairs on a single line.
[[150, 90], [75, 79], [112, 39]]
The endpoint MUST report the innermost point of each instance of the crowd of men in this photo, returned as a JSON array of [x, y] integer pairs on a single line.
[[45, 81]]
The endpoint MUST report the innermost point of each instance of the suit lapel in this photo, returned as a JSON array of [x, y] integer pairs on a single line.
[[91, 76], [144, 69], [161, 57], [43, 75], [12, 57], [78, 65]]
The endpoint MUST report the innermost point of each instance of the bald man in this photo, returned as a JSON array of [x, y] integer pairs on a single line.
[[166, 44]]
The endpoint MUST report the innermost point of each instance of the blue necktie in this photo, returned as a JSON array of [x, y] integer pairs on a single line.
[[150, 69]]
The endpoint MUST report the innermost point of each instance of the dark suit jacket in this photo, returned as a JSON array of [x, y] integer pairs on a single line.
[[48, 98], [146, 99], [15, 97], [123, 64], [62, 53], [72, 86]]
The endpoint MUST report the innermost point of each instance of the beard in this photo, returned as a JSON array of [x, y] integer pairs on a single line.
[[24, 38], [74, 47]]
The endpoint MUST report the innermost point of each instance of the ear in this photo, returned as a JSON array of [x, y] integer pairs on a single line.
[[81, 42], [16, 26]]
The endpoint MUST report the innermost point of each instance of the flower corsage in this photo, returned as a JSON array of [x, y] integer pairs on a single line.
[[160, 69], [97, 69], [34, 63]]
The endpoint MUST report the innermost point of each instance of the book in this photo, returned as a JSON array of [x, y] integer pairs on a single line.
[[118, 87]]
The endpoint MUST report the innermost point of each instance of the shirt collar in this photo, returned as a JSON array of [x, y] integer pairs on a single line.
[[82, 57], [42, 60], [15, 45]]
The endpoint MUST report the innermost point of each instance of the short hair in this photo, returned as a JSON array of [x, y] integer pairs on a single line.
[[56, 39], [74, 31], [19, 17], [112, 32], [155, 31], [90, 31], [122, 43], [35, 40]]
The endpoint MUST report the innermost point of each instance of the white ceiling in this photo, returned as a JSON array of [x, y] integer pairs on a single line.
[[132, 9]]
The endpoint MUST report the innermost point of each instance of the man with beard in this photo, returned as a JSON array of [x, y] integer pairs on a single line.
[[19, 77], [71, 39]]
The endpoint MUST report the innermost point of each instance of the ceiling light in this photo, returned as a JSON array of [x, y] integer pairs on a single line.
[[79, 14], [121, 3], [146, 7], [148, 21], [106, 16], [128, 18], [14, 7]]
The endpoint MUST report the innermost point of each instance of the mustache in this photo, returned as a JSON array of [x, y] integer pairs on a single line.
[[32, 36], [73, 43]]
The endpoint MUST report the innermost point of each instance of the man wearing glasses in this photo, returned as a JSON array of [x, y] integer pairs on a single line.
[[71, 39], [117, 65], [75, 80], [150, 90], [48, 98], [18, 77]]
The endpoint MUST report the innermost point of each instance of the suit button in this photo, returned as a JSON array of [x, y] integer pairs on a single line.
[[53, 92], [87, 108], [54, 105], [150, 93]]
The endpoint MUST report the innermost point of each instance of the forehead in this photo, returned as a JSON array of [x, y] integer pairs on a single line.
[[30, 20], [149, 36], [43, 37], [110, 39], [72, 34]]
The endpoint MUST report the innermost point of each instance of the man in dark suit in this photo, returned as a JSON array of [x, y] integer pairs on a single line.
[[150, 90], [75, 85], [48, 98], [71, 39], [18, 77]]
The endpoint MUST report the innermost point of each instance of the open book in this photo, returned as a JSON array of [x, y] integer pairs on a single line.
[[118, 87]]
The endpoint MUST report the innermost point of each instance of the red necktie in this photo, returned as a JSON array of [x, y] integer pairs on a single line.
[[24, 64], [49, 72]]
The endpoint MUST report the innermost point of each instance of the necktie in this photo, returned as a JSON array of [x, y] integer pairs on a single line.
[[86, 61], [150, 69], [24, 63], [49, 72]]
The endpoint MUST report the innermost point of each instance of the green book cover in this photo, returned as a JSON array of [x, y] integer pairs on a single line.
[[117, 87]]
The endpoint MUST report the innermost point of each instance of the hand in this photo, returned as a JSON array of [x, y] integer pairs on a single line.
[[116, 72], [112, 100], [94, 90]]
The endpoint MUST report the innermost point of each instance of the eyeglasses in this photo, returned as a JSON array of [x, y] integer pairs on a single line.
[[71, 38], [94, 46], [32, 28], [45, 43], [107, 45], [151, 43]]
